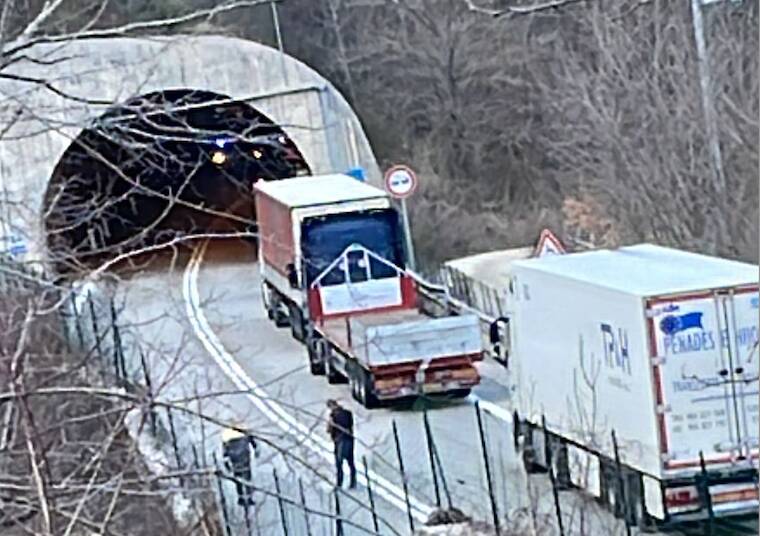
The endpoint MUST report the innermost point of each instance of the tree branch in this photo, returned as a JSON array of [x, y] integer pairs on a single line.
[[519, 10]]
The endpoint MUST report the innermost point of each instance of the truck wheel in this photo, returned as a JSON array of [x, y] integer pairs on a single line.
[[361, 388], [272, 301], [297, 328], [638, 515], [605, 484], [333, 376], [316, 360], [317, 369], [280, 320], [612, 494]]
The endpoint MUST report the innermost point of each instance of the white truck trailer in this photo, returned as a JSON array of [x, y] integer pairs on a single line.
[[332, 262], [656, 345]]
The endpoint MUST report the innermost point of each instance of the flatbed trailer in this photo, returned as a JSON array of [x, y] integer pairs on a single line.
[[400, 353]]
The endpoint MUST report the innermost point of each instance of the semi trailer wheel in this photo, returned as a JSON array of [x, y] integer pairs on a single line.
[[638, 515]]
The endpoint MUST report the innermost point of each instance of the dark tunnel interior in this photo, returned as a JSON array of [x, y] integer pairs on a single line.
[[159, 166]]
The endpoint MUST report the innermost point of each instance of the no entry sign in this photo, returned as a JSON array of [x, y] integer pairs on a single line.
[[400, 181]]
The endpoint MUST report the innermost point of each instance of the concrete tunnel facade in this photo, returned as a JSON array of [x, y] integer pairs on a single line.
[[91, 76]]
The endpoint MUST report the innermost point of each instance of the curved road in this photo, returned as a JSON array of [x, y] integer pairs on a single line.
[[211, 347]]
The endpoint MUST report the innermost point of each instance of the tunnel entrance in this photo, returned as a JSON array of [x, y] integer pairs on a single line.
[[159, 166]]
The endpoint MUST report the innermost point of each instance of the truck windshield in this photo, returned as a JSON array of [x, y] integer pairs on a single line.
[[324, 238]]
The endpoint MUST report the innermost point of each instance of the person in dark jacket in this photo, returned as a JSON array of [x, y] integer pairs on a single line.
[[340, 427], [237, 460]]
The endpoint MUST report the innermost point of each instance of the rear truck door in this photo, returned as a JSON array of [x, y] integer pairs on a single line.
[[703, 348], [740, 318]]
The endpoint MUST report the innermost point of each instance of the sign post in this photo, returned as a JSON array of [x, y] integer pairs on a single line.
[[400, 183]]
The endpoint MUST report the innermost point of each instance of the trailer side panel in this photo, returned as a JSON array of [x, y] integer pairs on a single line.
[[582, 361], [276, 241]]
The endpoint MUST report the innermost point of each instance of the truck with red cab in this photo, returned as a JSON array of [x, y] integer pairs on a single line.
[[332, 261]]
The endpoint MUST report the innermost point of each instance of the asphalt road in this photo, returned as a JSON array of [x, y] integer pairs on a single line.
[[229, 289], [211, 348]]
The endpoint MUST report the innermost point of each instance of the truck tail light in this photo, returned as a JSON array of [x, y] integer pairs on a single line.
[[391, 384], [680, 497]]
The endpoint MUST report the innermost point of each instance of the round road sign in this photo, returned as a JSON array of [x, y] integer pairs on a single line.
[[400, 181]]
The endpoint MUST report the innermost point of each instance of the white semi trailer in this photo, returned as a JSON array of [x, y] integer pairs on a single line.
[[656, 347]]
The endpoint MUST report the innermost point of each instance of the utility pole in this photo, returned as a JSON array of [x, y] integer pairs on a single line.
[[708, 108], [278, 38], [276, 24]]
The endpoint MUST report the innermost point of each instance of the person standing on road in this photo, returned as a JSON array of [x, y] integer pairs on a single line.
[[237, 460], [340, 427]]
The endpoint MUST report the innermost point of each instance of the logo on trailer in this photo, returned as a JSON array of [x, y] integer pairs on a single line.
[[672, 324], [615, 346]]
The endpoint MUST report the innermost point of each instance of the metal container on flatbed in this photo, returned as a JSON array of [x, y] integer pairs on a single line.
[[386, 338]]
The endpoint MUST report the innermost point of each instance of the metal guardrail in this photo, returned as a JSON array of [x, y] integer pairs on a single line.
[[441, 294], [476, 294]]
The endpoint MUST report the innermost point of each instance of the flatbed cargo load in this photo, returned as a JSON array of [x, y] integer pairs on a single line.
[[405, 335]]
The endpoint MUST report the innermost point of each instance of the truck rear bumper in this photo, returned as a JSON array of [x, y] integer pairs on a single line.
[[729, 496], [437, 381]]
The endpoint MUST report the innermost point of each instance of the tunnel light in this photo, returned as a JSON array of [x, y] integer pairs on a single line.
[[257, 154], [218, 157]]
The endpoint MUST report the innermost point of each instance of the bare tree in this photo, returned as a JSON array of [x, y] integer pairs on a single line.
[[523, 107], [628, 127], [129, 185]]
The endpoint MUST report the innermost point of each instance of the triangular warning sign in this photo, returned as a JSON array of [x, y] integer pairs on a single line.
[[548, 244]]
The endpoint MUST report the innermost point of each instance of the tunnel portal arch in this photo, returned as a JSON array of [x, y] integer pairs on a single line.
[[171, 162], [91, 76]]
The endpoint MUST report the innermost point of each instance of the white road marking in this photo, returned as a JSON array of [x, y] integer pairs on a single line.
[[269, 407]]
